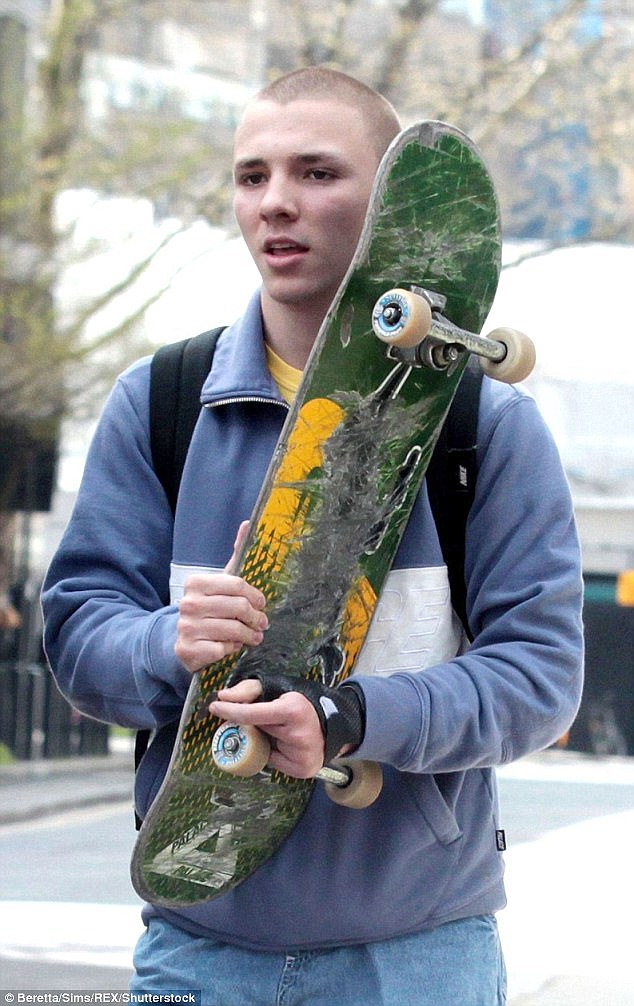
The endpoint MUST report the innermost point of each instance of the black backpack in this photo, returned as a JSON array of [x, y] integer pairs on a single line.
[[177, 375]]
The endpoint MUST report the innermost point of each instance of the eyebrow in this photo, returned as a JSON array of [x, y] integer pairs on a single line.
[[307, 158]]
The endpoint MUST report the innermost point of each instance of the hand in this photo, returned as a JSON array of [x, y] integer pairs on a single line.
[[291, 721], [219, 614]]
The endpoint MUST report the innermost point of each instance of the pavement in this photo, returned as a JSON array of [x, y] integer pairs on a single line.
[[32, 790], [567, 931]]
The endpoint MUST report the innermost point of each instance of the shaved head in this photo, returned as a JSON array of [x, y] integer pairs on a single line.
[[322, 82]]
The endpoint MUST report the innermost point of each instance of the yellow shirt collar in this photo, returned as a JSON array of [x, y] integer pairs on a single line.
[[286, 377]]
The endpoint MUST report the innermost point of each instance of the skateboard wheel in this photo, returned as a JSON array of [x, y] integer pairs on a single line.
[[240, 750], [401, 318], [519, 360], [364, 786]]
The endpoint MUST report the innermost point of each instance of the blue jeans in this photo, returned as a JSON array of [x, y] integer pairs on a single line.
[[458, 964]]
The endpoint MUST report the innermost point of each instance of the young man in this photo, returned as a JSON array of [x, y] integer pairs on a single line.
[[394, 904]]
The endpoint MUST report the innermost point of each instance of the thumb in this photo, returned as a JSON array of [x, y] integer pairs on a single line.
[[232, 565]]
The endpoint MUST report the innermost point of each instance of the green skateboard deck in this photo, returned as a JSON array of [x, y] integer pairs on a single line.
[[331, 512]]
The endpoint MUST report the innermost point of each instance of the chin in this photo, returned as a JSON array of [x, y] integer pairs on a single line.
[[306, 299]]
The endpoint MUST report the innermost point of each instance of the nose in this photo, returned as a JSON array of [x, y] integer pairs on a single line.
[[278, 198]]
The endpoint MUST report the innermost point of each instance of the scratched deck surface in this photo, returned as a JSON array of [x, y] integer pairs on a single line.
[[334, 504]]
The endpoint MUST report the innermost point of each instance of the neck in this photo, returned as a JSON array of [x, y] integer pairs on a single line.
[[290, 330]]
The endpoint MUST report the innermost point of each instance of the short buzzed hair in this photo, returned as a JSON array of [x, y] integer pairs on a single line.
[[324, 82]]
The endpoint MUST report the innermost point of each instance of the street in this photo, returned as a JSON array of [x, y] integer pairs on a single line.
[[70, 916]]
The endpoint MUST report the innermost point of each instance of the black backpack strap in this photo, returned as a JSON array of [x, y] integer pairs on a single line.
[[451, 480], [177, 376]]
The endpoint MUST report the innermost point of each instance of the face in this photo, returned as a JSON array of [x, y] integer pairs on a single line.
[[303, 176]]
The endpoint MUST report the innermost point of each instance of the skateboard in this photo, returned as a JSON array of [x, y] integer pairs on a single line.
[[349, 462]]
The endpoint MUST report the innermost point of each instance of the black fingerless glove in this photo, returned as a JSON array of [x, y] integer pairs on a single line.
[[341, 711]]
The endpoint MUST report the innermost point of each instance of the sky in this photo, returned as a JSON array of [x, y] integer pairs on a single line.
[[472, 7]]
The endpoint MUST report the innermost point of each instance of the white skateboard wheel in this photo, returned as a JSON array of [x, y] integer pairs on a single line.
[[240, 750], [519, 360], [401, 318], [364, 787]]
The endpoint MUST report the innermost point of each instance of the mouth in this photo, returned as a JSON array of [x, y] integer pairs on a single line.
[[283, 247]]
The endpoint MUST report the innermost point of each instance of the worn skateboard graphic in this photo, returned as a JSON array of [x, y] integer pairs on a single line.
[[339, 490]]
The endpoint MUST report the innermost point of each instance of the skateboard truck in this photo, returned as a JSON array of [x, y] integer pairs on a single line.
[[245, 751], [411, 324]]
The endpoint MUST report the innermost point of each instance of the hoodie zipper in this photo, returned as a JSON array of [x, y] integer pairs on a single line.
[[246, 398]]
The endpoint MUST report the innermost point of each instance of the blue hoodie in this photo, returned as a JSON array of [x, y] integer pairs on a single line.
[[440, 715]]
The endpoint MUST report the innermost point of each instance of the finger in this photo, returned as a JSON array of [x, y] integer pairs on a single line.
[[232, 565], [203, 642], [197, 656], [249, 712], [249, 690], [237, 609], [218, 630], [290, 718], [199, 614], [205, 585], [305, 767]]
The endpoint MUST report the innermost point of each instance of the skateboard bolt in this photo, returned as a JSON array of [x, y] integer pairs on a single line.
[[392, 314], [231, 744]]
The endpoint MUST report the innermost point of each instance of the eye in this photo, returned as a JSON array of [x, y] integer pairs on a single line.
[[251, 178], [321, 174]]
